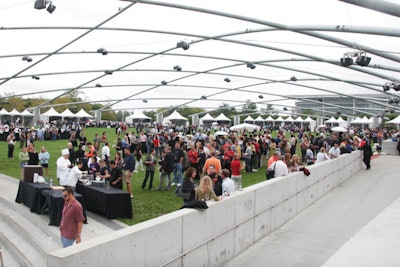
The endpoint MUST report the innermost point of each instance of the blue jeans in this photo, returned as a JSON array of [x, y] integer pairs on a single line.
[[67, 242], [248, 165], [178, 173]]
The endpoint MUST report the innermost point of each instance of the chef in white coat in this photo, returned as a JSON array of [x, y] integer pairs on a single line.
[[63, 167]]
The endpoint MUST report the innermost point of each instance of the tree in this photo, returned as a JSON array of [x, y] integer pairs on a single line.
[[269, 110], [249, 107]]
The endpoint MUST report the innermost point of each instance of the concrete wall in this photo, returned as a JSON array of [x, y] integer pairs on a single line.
[[210, 237], [389, 147]]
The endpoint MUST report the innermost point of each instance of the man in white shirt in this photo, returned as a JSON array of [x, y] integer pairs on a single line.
[[279, 166], [228, 186], [63, 167], [105, 152], [334, 152], [75, 174]]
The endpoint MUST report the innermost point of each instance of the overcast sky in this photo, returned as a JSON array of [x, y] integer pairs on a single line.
[[141, 78]]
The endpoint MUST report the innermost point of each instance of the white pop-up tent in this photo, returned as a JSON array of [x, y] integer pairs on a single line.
[[175, 117], [67, 114], [137, 117], [206, 119], [395, 121], [222, 118], [245, 127], [249, 119], [83, 114]]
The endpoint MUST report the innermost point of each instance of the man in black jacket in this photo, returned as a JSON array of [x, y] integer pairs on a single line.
[[166, 168]]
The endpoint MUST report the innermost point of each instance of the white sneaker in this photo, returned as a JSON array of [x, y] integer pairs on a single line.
[[173, 184], [179, 185], [135, 171]]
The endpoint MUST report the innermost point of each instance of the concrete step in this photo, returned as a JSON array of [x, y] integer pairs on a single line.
[[8, 258]]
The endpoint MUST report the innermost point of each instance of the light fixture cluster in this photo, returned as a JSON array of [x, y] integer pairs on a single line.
[[394, 100], [227, 80], [102, 51], [177, 68], [251, 66], [41, 4], [27, 59], [361, 59], [392, 85], [182, 44]]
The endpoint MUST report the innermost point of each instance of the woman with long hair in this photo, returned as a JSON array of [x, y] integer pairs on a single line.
[[205, 191]]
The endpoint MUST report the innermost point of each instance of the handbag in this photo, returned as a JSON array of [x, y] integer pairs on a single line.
[[271, 172], [179, 193]]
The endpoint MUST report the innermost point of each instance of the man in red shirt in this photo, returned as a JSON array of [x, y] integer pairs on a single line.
[[72, 219]]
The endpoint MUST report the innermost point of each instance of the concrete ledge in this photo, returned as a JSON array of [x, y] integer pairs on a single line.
[[213, 236], [389, 147]]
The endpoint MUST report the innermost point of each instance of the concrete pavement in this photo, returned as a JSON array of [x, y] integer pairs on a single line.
[[340, 226]]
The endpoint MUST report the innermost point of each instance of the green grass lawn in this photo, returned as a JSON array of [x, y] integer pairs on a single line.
[[146, 204]]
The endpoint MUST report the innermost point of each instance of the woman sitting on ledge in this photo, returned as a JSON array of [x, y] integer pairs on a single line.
[[204, 191]]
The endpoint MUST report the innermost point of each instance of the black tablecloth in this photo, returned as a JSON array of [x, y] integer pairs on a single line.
[[55, 205], [30, 195], [112, 203]]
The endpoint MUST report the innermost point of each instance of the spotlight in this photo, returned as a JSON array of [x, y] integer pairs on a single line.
[[285, 108], [177, 68], [163, 82], [26, 58], [35, 77], [293, 78], [144, 100], [320, 100], [227, 80], [261, 96], [338, 112], [396, 87], [51, 8], [182, 44], [203, 97], [98, 85], [251, 65], [346, 61], [40, 4], [102, 51], [108, 72], [386, 88], [363, 60]]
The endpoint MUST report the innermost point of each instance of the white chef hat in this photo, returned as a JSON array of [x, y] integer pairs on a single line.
[[65, 152]]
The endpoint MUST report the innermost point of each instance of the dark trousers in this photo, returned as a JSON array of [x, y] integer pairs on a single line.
[[151, 174], [367, 161], [10, 151]]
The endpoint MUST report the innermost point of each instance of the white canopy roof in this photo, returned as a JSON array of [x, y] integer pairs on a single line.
[[289, 119], [299, 119], [207, 117], [139, 116], [51, 113], [222, 117], [279, 119], [249, 118], [357, 120], [26, 113], [269, 118], [395, 120], [175, 116], [331, 120], [67, 114], [14, 112], [259, 118], [340, 119], [3, 111], [245, 127], [308, 119], [83, 114]]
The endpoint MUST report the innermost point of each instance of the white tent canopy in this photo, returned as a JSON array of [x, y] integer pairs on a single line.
[[83, 114], [357, 120], [245, 127], [395, 120], [299, 119], [175, 116], [279, 119], [3, 111], [222, 117], [249, 118], [26, 113], [14, 112], [331, 120], [67, 114], [137, 117], [259, 119], [308, 119], [269, 118], [51, 113], [206, 118], [289, 119]]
